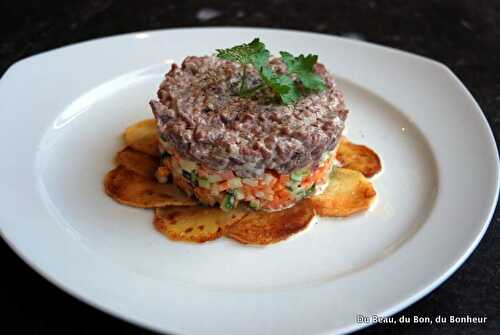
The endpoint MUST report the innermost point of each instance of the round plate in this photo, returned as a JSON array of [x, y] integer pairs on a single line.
[[65, 111]]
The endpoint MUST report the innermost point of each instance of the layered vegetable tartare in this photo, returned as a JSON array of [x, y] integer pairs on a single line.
[[255, 131]]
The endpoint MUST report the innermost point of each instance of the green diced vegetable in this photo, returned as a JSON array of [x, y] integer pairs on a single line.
[[188, 165], [203, 182], [238, 193], [250, 181], [299, 174], [234, 183], [255, 204], [214, 178], [294, 187], [326, 155], [311, 190], [228, 202]]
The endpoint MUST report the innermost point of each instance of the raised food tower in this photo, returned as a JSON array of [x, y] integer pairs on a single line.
[[226, 148]]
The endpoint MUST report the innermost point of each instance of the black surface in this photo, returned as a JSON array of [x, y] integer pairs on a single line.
[[465, 35]]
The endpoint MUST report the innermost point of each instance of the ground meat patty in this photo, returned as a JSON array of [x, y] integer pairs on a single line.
[[201, 115]]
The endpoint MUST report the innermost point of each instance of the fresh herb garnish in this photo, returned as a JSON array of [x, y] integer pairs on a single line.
[[303, 67], [253, 53], [287, 89], [282, 85]]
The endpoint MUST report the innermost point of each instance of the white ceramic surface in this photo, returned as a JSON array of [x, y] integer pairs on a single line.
[[66, 109]]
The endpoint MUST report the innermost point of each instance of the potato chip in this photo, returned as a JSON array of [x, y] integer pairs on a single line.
[[142, 136], [358, 157], [270, 227], [139, 162], [130, 188], [194, 224], [349, 192]]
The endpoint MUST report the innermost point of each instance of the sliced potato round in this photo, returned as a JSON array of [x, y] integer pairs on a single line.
[[349, 192], [130, 188], [143, 136], [358, 157], [194, 224], [270, 227], [139, 162]]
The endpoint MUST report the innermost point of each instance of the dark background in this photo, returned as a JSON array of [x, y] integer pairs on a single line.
[[464, 35]]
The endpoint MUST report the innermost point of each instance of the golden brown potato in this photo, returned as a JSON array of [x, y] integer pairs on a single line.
[[349, 192], [139, 162], [142, 136], [194, 224], [130, 188], [270, 227], [358, 157]]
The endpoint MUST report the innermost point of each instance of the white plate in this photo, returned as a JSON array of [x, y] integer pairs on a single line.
[[62, 114]]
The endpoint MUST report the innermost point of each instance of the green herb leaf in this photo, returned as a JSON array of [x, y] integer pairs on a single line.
[[254, 53], [282, 85], [303, 67]]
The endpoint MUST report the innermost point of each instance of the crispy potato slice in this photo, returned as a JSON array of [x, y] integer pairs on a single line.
[[130, 188], [139, 162], [358, 157], [270, 227], [349, 192], [194, 224], [142, 136]]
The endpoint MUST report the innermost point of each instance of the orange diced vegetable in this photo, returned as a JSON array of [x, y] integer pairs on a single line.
[[284, 179], [223, 186]]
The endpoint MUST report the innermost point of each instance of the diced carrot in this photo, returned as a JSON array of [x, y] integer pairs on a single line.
[[277, 202], [247, 189], [283, 193], [284, 179], [278, 186], [224, 185], [308, 184], [308, 180]]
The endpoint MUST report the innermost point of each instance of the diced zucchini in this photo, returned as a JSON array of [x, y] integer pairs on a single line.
[[214, 178], [311, 190], [234, 183], [294, 187], [255, 204], [299, 174], [203, 182], [300, 194], [250, 181], [326, 155], [188, 165], [238, 193], [228, 202]]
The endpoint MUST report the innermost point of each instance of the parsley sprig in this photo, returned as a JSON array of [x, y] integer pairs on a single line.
[[284, 86]]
